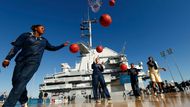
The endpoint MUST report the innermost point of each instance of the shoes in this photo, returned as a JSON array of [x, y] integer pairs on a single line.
[[24, 105], [98, 101], [155, 94], [162, 96], [103, 99], [138, 98], [109, 101], [109, 98]]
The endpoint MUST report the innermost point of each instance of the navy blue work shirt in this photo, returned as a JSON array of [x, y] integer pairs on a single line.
[[133, 72], [32, 48], [97, 68]]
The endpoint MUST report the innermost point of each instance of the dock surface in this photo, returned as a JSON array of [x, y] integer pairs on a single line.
[[181, 99]]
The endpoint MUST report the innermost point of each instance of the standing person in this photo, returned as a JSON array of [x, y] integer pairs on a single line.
[[45, 98], [32, 46], [98, 78], [154, 74], [133, 72], [40, 97]]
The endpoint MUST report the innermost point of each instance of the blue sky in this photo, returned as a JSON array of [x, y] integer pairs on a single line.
[[147, 26]]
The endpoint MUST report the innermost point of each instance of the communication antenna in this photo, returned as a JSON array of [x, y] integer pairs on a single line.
[[124, 48]]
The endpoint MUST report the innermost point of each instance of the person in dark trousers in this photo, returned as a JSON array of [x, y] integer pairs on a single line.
[[31, 46], [98, 78], [133, 72]]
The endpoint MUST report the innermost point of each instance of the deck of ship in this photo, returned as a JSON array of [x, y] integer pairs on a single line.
[[165, 100]]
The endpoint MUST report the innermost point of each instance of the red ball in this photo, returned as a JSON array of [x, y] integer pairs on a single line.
[[105, 20], [99, 49], [123, 67], [112, 2], [74, 48]]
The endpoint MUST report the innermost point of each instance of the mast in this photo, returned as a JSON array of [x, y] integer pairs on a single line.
[[90, 30], [86, 29]]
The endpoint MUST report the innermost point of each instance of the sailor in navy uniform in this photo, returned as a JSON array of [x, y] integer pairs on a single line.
[[32, 46], [98, 79], [133, 72]]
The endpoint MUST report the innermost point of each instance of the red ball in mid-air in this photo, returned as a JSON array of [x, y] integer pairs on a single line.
[[112, 2], [123, 67], [99, 49], [105, 20], [74, 48]]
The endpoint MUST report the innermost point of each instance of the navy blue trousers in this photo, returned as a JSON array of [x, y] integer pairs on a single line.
[[135, 88], [96, 80], [22, 74]]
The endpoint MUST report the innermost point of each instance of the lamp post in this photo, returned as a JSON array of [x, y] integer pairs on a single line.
[[163, 54], [170, 52]]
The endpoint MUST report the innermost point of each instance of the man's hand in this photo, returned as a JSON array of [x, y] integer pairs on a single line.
[[103, 63], [5, 63], [164, 69], [66, 43]]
